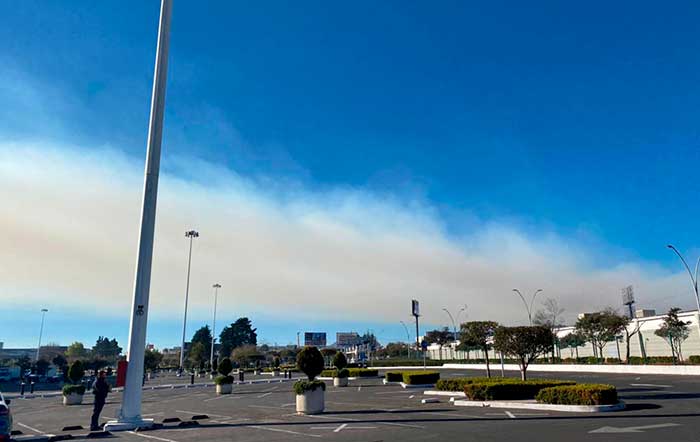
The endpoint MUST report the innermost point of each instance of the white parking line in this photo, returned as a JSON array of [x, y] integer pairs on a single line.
[[202, 412], [30, 428], [284, 431], [148, 436], [264, 394], [651, 385], [510, 415]]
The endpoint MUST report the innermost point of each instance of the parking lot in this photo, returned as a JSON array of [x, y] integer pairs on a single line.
[[657, 407]]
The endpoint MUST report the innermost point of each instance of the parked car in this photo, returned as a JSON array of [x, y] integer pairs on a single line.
[[5, 419]]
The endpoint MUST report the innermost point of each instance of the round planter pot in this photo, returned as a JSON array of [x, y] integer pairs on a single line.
[[311, 402], [73, 399], [224, 388], [340, 382]]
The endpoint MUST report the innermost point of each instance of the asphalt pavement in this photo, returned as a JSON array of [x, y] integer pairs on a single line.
[[658, 408]]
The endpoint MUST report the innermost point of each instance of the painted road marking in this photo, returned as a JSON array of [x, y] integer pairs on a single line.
[[510, 415], [284, 431], [342, 427], [651, 385], [639, 429], [148, 436], [202, 412], [30, 428], [264, 394]]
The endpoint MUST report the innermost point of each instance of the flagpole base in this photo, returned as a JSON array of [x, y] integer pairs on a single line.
[[128, 424]]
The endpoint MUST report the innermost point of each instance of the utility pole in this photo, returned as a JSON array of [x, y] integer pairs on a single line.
[[191, 234], [129, 415], [41, 332], [213, 328]]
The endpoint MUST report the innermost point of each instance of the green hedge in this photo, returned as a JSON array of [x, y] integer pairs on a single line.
[[694, 359], [69, 389], [329, 373], [301, 387], [509, 389], [583, 394], [409, 362], [457, 384], [363, 372], [394, 376], [420, 377]]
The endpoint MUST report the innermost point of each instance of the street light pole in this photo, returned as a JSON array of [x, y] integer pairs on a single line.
[[693, 280], [41, 332], [213, 327], [408, 342], [191, 234], [528, 307], [129, 415]]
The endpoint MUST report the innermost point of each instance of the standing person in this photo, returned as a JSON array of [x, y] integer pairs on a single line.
[[100, 389]]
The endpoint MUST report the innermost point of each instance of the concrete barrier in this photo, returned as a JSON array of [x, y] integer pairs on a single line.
[[681, 370]]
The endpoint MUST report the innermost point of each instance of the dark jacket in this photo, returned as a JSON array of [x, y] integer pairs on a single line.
[[100, 389]]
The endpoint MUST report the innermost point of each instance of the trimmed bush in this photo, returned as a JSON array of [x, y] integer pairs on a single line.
[[583, 394], [363, 372], [343, 373], [420, 377], [694, 359], [310, 361], [301, 387], [394, 376], [457, 384], [69, 389], [340, 361], [76, 372], [509, 389], [225, 367], [223, 380]]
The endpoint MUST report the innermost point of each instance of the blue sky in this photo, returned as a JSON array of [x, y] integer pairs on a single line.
[[577, 122]]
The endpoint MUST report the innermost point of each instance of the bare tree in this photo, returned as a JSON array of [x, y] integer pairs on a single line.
[[550, 316]]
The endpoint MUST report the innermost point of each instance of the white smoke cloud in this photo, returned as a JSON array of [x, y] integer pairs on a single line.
[[70, 220]]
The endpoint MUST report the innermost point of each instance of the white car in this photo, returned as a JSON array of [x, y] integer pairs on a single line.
[[5, 419]]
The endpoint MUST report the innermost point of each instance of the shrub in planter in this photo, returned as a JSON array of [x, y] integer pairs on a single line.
[[420, 377], [583, 394], [224, 382], [340, 361], [394, 376], [73, 393], [511, 389], [309, 394], [341, 378]]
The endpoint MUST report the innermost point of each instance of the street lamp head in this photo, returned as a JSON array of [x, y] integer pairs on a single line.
[[44, 310], [217, 286], [191, 234]]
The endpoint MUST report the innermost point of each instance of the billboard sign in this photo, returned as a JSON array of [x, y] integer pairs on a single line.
[[415, 308], [346, 339], [315, 339]]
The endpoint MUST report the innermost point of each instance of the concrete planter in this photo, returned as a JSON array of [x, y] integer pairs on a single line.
[[73, 399], [276, 372], [257, 372], [532, 405], [311, 402], [340, 382], [224, 388]]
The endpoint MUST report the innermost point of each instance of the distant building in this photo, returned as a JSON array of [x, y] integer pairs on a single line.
[[644, 313]]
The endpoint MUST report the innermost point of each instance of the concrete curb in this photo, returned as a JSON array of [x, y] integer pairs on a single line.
[[404, 385], [529, 405], [445, 393]]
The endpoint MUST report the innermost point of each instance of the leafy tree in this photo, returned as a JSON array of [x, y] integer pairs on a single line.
[[440, 337], [197, 355], [246, 354], [674, 331], [61, 363], [203, 336], [394, 350], [574, 341], [107, 349], [600, 328], [370, 340], [629, 334], [478, 334], [41, 366], [76, 351], [239, 333], [550, 316], [523, 343], [152, 359], [24, 364]]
